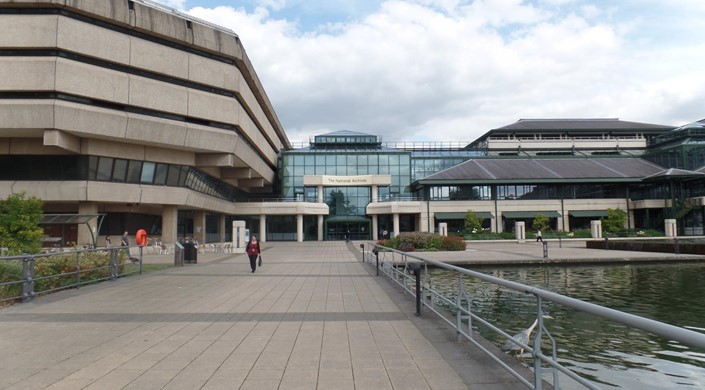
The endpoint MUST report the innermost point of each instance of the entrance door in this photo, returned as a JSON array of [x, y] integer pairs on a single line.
[[357, 230]]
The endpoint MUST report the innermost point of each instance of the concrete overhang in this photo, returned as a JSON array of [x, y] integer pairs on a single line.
[[411, 207], [282, 208]]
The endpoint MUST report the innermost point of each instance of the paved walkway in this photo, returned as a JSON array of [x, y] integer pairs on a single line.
[[571, 251], [313, 317]]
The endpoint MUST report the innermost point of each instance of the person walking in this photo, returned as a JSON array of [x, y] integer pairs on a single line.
[[253, 251], [538, 236], [125, 242]]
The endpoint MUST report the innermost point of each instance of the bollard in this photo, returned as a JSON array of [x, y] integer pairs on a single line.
[[545, 250], [362, 247], [416, 269], [560, 242], [375, 252], [607, 244], [676, 246]]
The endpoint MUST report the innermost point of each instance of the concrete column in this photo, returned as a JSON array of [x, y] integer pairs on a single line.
[[596, 229], [443, 229], [199, 226], [630, 219], [221, 228], [671, 228], [374, 194], [561, 222], [375, 227], [425, 221], [239, 238], [395, 222], [320, 227], [520, 231], [319, 194], [170, 219], [85, 230], [262, 228], [299, 228]]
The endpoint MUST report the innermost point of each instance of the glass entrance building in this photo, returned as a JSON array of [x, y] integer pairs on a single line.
[[347, 171]]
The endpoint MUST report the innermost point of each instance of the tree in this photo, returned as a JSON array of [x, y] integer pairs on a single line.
[[19, 224], [614, 221], [540, 222], [472, 222]]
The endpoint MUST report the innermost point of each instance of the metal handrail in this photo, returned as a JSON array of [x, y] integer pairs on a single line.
[[28, 279], [398, 271]]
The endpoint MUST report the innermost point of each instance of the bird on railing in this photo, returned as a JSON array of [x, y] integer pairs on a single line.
[[522, 337]]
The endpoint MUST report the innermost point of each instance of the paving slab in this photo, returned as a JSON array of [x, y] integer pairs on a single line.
[[312, 317]]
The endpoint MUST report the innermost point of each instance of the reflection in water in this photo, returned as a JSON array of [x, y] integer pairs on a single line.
[[610, 354]]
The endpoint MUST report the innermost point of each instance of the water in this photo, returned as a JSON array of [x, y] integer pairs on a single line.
[[613, 356]]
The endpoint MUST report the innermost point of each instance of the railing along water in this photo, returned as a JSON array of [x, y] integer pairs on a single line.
[[27, 276], [398, 267]]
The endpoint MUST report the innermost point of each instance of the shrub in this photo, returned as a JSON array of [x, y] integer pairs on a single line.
[[409, 242], [453, 243]]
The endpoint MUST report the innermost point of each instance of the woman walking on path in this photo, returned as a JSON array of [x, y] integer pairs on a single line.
[[253, 251]]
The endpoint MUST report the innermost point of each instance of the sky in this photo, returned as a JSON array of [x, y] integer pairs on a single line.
[[451, 70]]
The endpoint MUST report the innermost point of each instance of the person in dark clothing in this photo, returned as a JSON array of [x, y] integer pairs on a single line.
[[253, 251]]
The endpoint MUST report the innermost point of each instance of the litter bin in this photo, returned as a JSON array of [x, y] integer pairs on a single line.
[[190, 253], [178, 255]]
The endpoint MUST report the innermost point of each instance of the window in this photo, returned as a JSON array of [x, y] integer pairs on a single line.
[[119, 170], [134, 169], [105, 169], [147, 173], [160, 174]]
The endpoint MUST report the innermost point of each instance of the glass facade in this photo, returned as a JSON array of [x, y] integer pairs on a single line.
[[117, 170], [428, 162], [532, 191], [296, 164]]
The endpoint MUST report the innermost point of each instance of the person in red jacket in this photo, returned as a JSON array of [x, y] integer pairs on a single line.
[[253, 251]]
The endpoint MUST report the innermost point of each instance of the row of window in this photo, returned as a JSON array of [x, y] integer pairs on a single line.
[[71, 168], [528, 191], [330, 159]]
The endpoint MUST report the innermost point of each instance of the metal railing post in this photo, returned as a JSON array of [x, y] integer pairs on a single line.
[[676, 246], [113, 265], [375, 252], [78, 269], [28, 275], [607, 243], [458, 306], [537, 346], [140, 265], [545, 250], [416, 269]]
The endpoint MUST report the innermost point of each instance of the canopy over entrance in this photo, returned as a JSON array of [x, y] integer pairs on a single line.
[[54, 219]]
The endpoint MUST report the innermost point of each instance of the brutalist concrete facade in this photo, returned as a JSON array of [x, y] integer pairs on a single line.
[[132, 81]]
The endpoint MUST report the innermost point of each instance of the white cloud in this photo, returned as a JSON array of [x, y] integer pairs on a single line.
[[452, 70], [178, 4]]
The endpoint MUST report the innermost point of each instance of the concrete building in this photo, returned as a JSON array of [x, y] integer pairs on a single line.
[[133, 111]]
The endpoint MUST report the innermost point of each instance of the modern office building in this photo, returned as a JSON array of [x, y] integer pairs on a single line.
[[570, 170], [133, 115]]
